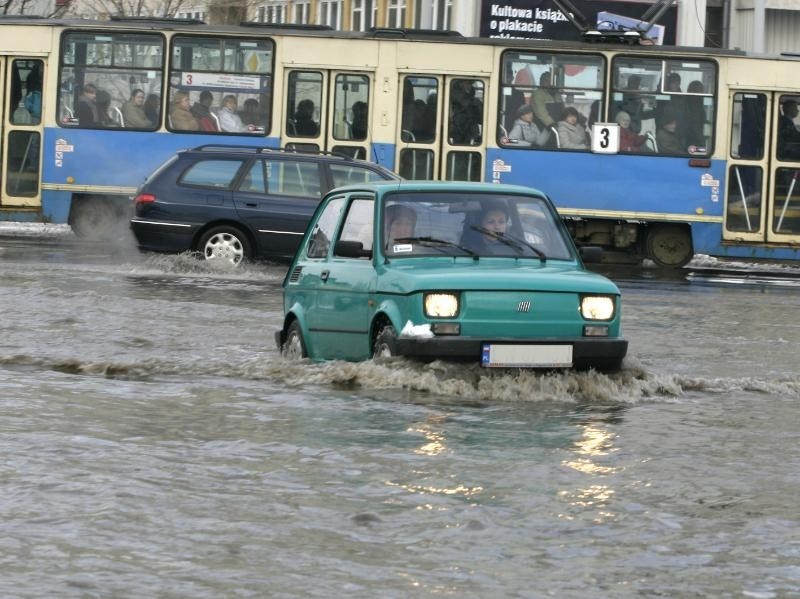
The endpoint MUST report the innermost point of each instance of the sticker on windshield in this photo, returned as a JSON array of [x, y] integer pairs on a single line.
[[402, 248]]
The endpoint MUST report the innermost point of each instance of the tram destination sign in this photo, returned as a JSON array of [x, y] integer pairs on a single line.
[[542, 19]]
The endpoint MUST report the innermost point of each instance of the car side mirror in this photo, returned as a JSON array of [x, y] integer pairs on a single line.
[[346, 248], [591, 253]]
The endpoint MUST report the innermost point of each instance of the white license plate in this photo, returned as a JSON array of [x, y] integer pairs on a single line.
[[500, 355]]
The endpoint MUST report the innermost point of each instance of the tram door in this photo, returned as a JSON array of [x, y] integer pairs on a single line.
[[763, 190], [328, 111], [21, 131], [441, 128]]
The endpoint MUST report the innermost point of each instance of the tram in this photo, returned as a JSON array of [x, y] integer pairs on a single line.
[[649, 151]]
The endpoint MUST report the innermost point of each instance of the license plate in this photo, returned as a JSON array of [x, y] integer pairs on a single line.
[[503, 355]]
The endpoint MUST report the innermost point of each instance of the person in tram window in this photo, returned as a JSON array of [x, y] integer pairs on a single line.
[[152, 108], [668, 136], [251, 114], [788, 133], [634, 105], [628, 140], [304, 123], [694, 118], [133, 113], [544, 100], [525, 132], [228, 118], [201, 111], [103, 103], [571, 134], [359, 126], [86, 107], [180, 113]]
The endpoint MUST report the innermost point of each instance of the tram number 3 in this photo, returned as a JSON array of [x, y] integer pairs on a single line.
[[605, 138]]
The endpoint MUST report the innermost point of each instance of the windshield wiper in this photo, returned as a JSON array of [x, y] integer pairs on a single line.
[[512, 241], [434, 241]]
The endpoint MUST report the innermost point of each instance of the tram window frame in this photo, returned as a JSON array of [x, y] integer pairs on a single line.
[[344, 110], [571, 92], [224, 57], [296, 95], [654, 73], [108, 60]]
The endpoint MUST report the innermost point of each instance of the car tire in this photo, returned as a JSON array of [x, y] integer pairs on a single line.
[[294, 347], [385, 345], [225, 244]]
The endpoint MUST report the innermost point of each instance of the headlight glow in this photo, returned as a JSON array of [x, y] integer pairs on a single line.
[[441, 305], [597, 307]]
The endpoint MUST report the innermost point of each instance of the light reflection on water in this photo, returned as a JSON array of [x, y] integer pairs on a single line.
[[156, 445]]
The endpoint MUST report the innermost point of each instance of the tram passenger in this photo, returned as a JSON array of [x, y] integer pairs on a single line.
[[634, 105], [571, 134], [86, 107], [628, 140], [152, 108], [251, 114], [359, 126], [544, 101], [180, 113], [228, 118], [304, 122], [201, 111], [466, 113], [133, 112], [788, 134], [693, 120], [668, 137], [525, 132], [103, 103]]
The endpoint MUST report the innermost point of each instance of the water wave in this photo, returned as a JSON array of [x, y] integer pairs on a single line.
[[471, 383]]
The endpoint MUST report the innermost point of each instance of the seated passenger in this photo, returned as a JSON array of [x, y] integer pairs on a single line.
[[152, 108], [667, 136], [525, 132], [103, 103], [86, 107], [399, 221], [304, 123], [251, 114], [788, 134], [628, 140], [228, 118], [571, 134], [180, 113], [133, 112], [201, 111], [494, 220]]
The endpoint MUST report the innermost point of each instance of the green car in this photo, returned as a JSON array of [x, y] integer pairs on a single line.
[[472, 272]]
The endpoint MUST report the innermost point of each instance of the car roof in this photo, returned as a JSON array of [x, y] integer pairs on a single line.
[[247, 150], [383, 187]]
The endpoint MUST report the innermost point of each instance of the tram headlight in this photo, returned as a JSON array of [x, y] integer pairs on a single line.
[[441, 305], [597, 307]]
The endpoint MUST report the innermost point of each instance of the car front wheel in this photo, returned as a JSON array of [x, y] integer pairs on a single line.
[[225, 244], [385, 346], [294, 348]]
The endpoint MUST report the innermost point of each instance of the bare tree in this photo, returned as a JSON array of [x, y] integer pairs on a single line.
[[231, 12]]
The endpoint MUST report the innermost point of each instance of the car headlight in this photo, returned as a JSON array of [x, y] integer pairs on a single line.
[[597, 307], [441, 305]]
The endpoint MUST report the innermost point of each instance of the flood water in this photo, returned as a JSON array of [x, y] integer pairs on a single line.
[[156, 445]]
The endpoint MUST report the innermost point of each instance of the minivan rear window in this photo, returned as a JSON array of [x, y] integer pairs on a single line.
[[218, 174]]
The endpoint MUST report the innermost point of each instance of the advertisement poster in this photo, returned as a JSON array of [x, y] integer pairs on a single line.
[[542, 20]]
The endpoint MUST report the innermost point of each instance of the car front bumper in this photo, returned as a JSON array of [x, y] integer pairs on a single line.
[[586, 352]]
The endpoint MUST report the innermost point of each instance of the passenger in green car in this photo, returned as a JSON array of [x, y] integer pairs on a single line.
[[484, 235], [400, 222]]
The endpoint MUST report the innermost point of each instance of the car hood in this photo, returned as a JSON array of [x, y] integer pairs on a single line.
[[490, 274]]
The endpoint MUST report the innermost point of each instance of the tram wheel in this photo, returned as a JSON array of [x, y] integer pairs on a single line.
[[669, 245]]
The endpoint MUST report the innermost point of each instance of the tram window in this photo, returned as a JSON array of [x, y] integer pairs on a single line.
[[465, 127], [22, 160], [351, 107], [101, 76], [464, 166], [747, 126], [786, 211], [220, 85], [416, 163], [303, 103], [549, 100], [743, 210], [25, 99], [420, 106], [788, 133], [671, 101]]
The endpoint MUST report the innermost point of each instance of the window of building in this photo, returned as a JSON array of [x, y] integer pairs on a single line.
[[363, 14], [330, 13], [396, 14], [433, 14]]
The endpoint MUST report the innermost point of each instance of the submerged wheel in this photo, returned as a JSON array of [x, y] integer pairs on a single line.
[[294, 348], [225, 244], [669, 245], [385, 346]]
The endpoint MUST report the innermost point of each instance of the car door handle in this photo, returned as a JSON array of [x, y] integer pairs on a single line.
[[251, 204], [324, 275]]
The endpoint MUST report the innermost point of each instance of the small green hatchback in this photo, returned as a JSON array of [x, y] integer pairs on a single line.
[[471, 272]]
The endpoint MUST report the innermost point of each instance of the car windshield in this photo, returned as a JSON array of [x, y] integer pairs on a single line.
[[477, 225]]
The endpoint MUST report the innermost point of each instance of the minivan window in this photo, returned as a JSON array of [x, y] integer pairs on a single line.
[[218, 174], [293, 177], [348, 174]]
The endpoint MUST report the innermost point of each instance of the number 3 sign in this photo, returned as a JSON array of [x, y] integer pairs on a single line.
[[605, 138]]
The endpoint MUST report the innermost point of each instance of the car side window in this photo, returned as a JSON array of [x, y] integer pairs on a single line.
[[218, 174], [324, 229], [293, 177], [345, 174], [358, 223], [254, 180]]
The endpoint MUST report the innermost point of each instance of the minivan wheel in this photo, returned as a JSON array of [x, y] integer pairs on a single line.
[[385, 346], [225, 244], [294, 348]]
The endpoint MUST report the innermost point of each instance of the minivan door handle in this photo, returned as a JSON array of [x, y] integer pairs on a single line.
[[324, 275]]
